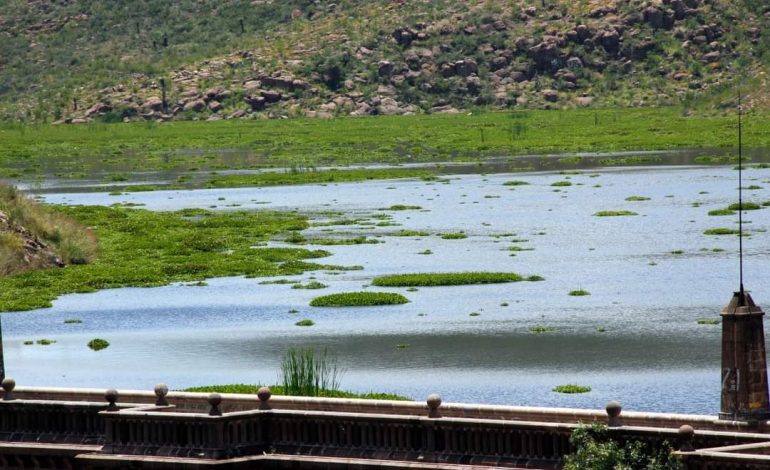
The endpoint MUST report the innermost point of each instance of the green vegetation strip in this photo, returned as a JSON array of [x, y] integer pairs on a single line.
[[278, 390], [449, 279], [614, 213], [311, 177], [358, 299], [721, 231], [149, 146], [140, 248]]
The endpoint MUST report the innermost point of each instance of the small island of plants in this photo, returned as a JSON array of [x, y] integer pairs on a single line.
[[358, 299], [571, 388]]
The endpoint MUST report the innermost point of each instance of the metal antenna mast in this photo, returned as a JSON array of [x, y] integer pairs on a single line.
[[740, 191]]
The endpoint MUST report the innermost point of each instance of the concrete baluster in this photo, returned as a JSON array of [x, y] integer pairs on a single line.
[[264, 395], [215, 400], [686, 436], [613, 414], [434, 402], [111, 396], [161, 391], [8, 385]]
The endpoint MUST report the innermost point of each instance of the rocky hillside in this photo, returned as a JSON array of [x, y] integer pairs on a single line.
[[76, 61]]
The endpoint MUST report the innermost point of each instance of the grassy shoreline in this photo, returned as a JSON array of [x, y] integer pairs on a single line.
[[79, 150], [140, 248]]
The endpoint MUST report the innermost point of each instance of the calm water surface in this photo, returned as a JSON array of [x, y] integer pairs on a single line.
[[635, 338]]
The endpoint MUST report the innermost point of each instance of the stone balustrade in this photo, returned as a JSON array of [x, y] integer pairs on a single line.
[[115, 428]]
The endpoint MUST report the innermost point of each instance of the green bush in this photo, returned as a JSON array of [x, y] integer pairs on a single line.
[[596, 450]]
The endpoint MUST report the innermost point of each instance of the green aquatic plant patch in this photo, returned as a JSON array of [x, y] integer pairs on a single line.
[[746, 206], [709, 321], [97, 344], [358, 299], [722, 231], [343, 241], [615, 213], [310, 285], [305, 322], [637, 198], [721, 212], [409, 233], [561, 183], [515, 183], [401, 207], [454, 236], [571, 388], [540, 329], [579, 293], [140, 248], [449, 279]]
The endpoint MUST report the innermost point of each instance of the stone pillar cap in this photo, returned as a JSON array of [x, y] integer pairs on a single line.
[[742, 304]]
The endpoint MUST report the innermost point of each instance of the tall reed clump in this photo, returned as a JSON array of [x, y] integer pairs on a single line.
[[309, 373], [34, 236]]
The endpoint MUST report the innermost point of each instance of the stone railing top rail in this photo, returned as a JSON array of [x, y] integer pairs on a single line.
[[185, 401]]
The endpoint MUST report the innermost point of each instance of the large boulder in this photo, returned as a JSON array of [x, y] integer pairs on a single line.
[[153, 103], [547, 55], [467, 67], [257, 103], [195, 105], [385, 68], [271, 96]]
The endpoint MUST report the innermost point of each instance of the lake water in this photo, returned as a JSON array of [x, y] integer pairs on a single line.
[[634, 339]]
